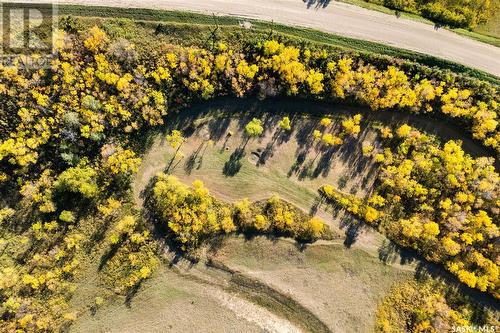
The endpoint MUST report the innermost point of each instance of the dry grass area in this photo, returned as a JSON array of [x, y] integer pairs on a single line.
[[287, 164], [167, 303], [341, 286], [264, 284]]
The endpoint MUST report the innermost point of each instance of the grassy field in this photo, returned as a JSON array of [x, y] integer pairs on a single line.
[[341, 286], [327, 280], [168, 302], [263, 284], [187, 23], [279, 174]]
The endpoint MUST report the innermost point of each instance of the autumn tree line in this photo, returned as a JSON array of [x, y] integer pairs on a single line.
[[66, 157], [428, 306], [97, 89], [453, 13], [191, 215], [436, 199]]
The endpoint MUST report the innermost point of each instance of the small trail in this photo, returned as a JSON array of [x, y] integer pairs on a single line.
[[249, 298], [263, 318]]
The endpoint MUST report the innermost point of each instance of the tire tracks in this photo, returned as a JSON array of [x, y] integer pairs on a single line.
[[248, 289]]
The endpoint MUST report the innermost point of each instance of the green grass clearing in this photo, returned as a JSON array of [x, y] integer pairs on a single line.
[[341, 286]]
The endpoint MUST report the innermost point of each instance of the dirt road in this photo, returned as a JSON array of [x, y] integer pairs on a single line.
[[339, 18]]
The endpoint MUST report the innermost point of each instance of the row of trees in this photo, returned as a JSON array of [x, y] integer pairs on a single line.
[[438, 200], [192, 215], [91, 92], [454, 13], [428, 306]]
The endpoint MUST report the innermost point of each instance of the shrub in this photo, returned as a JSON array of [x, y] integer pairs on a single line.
[[403, 5], [254, 128], [285, 124], [67, 216], [80, 179]]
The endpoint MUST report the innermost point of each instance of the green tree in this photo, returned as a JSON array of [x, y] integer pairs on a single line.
[[67, 216], [325, 122], [254, 128], [285, 124], [80, 179], [175, 139]]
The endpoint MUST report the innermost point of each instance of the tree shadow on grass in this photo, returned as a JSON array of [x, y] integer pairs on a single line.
[[268, 152], [390, 253], [352, 226], [218, 129], [324, 163], [352, 232], [279, 137], [316, 205], [190, 163], [306, 170], [196, 158], [131, 293], [297, 165], [99, 234], [481, 300], [233, 165], [110, 253]]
